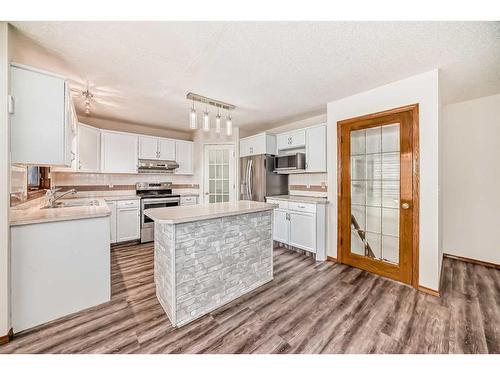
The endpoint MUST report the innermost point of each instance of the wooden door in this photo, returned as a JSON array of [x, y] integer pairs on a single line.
[[378, 193]]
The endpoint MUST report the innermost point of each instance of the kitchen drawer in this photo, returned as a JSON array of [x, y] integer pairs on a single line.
[[189, 200], [280, 203], [302, 207], [128, 204]]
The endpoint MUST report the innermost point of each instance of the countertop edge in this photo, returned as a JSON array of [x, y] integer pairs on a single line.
[[312, 200], [56, 219], [211, 216]]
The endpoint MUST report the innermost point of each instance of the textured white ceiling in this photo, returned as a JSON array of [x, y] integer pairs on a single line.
[[272, 71]]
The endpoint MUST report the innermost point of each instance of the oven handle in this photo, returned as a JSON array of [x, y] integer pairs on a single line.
[[153, 200]]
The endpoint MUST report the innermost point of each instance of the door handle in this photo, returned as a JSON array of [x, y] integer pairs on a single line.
[[405, 206]]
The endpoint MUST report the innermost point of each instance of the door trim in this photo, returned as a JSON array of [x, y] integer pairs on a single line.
[[413, 109]]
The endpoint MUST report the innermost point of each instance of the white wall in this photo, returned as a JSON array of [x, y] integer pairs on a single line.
[[4, 185], [422, 89], [471, 178]]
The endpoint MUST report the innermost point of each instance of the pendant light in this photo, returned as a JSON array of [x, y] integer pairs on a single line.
[[229, 125], [206, 120], [192, 118], [217, 122]]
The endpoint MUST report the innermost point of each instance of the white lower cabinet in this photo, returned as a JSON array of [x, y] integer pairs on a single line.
[[189, 200], [124, 220], [301, 225], [127, 221], [303, 230], [281, 226], [112, 221]]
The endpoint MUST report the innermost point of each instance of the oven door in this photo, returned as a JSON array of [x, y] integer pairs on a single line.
[[147, 203]]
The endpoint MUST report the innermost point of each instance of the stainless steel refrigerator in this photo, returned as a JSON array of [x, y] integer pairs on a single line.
[[258, 180]]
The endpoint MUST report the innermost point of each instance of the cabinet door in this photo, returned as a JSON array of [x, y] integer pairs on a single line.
[[316, 149], [303, 231], [118, 152], [282, 141], [281, 226], [148, 148], [89, 149], [37, 126], [112, 221], [184, 157], [166, 148], [127, 224], [244, 147], [298, 139]]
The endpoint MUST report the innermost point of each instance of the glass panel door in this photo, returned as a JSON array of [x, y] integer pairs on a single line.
[[219, 173], [375, 182]]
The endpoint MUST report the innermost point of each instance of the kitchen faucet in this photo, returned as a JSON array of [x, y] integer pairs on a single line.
[[51, 196]]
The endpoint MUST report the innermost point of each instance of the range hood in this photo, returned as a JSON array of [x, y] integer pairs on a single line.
[[157, 166]]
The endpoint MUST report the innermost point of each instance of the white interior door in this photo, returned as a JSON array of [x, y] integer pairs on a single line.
[[219, 173]]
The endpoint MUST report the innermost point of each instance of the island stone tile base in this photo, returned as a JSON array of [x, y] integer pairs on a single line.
[[202, 265]]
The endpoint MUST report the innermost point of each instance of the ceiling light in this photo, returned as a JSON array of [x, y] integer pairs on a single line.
[[192, 118], [229, 125], [206, 115], [87, 96], [217, 122], [206, 121]]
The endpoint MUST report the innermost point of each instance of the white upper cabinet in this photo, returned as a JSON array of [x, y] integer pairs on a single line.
[[43, 123], [148, 147], [118, 152], [316, 149], [295, 139], [184, 157], [156, 148], [89, 149], [258, 144], [166, 149]]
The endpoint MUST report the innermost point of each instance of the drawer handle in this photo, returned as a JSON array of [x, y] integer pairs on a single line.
[[301, 206]]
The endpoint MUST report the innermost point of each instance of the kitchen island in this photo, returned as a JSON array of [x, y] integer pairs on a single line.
[[207, 255]]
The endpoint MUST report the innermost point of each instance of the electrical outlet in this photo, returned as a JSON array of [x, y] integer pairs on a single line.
[[323, 184], [111, 186]]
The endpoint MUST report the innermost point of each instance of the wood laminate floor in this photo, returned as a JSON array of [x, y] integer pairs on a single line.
[[307, 308]]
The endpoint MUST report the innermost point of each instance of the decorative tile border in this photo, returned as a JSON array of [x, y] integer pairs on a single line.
[[119, 187], [308, 188]]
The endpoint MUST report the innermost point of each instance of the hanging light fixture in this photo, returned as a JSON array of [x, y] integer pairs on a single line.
[[217, 121], [87, 98], [229, 125], [192, 118], [206, 120], [206, 115]]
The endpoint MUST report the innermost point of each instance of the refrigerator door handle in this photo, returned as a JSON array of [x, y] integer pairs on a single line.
[[250, 171], [246, 180]]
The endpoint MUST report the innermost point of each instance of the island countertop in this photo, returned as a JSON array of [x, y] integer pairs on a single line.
[[185, 214]]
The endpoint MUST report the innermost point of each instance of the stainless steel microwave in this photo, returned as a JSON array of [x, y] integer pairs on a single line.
[[290, 163]]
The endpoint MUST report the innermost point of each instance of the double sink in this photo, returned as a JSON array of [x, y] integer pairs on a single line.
[[66, 203]]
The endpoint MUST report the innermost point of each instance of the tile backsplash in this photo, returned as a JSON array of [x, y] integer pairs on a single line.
[[310, 184], [108, 181]]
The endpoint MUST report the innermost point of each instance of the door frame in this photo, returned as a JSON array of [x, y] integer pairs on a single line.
[[413, 109], [235, 171]]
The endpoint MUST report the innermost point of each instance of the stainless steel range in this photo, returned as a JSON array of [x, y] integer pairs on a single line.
[[154, 195]]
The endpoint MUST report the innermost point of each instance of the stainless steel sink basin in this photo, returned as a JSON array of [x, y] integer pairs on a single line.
[[75, 203]]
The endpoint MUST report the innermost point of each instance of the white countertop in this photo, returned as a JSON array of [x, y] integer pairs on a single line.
[[185, 214], [300, 198], [34, 214]]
